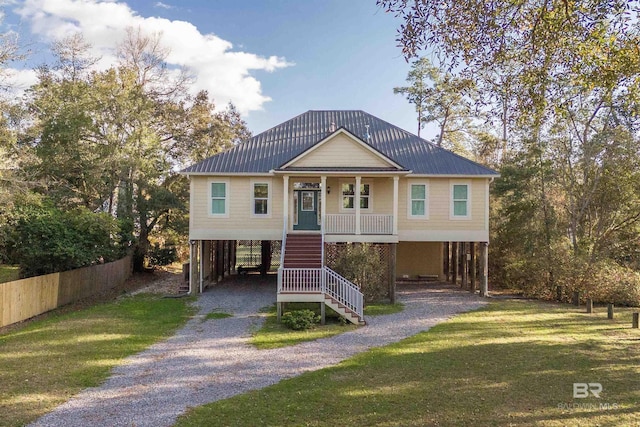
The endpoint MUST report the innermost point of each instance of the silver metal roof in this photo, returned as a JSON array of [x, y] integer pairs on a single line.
[[275, 147]]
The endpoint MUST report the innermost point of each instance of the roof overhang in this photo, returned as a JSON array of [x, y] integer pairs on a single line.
[[345, 172], [270, 173]]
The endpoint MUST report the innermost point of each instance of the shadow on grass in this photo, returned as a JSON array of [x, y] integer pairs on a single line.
[[512, 363], [48, 361]]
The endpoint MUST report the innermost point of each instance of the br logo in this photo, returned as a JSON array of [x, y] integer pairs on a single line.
[[582, 390]]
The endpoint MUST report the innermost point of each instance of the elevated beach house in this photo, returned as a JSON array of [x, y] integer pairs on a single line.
[[325, 181]]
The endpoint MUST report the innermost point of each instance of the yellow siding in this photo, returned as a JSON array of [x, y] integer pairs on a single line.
[[419, 258], [341, 151], [239, 222], [439, 199]]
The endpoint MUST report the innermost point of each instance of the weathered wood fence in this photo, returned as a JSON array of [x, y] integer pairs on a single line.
[[25, 298]]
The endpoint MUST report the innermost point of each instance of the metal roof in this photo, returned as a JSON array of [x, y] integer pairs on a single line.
[[274, 147]]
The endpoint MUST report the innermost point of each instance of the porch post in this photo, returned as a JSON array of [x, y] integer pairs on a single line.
[[356, 201], [465, 264], [285, 201], [484, 266], [395, 205], [472, 288], [201, 267], [323, 202]]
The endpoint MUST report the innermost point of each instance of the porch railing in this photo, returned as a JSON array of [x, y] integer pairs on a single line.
[[321, 280], [369, 224]]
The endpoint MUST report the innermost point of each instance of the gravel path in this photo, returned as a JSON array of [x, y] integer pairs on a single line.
[[209, 360]]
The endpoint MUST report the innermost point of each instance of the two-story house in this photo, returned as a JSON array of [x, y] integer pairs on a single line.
[[329, 177]]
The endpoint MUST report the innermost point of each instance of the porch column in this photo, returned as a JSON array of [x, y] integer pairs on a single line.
[[484, 266], [285, 202], [323, 202], [201, 267], [356, 201], [395, 205]]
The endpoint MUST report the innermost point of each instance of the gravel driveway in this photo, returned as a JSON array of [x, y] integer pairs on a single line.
[[209, 360]]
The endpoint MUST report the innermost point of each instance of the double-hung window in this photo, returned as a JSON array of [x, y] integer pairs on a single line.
[[219, 198], [418, 200], [260, 203], [349, 196], [460, 197]]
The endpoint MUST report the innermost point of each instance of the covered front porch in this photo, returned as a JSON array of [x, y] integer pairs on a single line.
[[342, 206]]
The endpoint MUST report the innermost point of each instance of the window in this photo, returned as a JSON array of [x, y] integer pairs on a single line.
[[418, 204], [219, 198], [348, 196], [460, 201], [260, 198]]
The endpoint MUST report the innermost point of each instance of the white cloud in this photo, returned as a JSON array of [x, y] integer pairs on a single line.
[[217, 68], [163, 5]]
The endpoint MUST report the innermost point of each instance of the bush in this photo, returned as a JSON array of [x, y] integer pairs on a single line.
[[163, 256], [45, 239], [300, 319], [362, 265]]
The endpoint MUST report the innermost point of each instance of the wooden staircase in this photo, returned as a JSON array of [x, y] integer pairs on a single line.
[[343, 311], [303, 278], [303, 251]]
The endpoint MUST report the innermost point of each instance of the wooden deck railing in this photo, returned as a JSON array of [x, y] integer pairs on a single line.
[[321, 280], [369, 224]]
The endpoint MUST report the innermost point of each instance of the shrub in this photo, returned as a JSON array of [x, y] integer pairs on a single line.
[[362, 265], [162, 256], [45, 239], [300, 319]]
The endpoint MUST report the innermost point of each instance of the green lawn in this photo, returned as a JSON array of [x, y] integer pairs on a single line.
[[9, 273], [273, 334], [511, 363], [44, 363]]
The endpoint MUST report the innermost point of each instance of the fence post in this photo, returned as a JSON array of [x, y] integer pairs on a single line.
[[589, 305], [635, 320], [576, 298], [610, 311]]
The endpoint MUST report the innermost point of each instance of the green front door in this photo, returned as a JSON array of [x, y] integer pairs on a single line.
[[307, 207]]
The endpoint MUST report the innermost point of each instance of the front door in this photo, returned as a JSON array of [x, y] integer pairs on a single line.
[[307, 209]]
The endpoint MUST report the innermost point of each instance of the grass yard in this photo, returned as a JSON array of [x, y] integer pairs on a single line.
[[46, 362], [511, 363], [9, 273], [275, 335]]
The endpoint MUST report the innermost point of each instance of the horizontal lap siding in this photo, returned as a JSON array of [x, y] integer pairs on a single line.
[[240, 218], [341, 151], [439, 226]]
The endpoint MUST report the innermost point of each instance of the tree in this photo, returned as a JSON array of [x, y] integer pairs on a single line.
[[562, 78], [113, 140], [416, 93]]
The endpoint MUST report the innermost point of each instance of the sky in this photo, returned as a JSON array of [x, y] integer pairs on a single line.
[[273, 59]]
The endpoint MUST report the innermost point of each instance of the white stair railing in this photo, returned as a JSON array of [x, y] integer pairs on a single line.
[[343, 291], [322, 280]]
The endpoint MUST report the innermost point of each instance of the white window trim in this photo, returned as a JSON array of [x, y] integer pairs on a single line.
[[410, 200], [353, 209], [451, 208], [269, 198], [226, 198]]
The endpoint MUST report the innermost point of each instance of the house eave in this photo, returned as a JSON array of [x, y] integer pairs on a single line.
[[340, 173], [187, 174]]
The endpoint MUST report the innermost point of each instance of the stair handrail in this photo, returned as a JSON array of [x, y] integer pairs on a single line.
[[351, 297]]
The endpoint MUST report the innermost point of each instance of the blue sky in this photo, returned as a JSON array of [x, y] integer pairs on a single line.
[[274, 59]]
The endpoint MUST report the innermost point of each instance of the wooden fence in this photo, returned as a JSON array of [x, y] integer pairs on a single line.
[[25, 298]]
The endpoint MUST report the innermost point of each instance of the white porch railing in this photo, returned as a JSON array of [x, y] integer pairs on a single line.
[[322, 280], [369, 224]]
